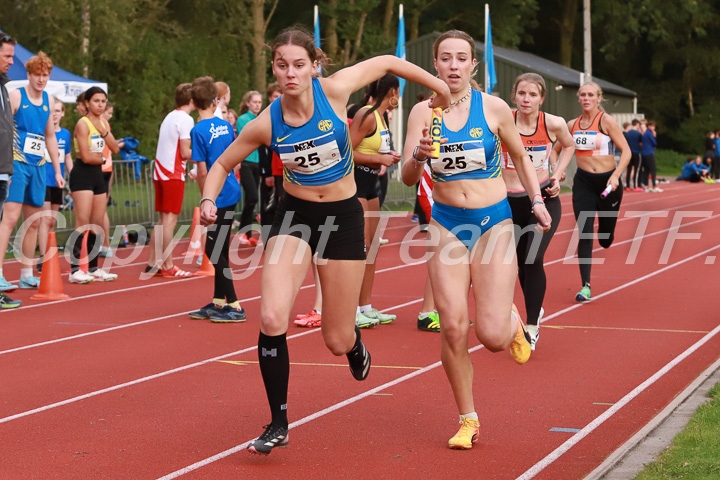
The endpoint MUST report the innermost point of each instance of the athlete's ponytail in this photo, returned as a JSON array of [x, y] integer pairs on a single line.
[[378, 90]]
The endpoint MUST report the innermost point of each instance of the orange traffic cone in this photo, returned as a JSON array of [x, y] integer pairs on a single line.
[[195, 246], [206, 269], [83, 260], [51, 287]]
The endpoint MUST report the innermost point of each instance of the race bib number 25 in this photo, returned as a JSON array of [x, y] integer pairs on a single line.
[[458, 158], [34, 145], [310, 156]]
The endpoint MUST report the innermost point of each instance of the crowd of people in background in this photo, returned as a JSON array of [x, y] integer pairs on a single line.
[[641, 175]]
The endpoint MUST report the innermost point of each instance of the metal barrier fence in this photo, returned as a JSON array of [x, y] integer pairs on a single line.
[[132, 198]]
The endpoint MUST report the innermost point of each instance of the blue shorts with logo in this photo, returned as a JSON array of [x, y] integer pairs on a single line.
[[27, 184], [469, 224]]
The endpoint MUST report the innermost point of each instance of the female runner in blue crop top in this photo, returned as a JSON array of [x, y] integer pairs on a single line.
[[471, 233], [307, 129]]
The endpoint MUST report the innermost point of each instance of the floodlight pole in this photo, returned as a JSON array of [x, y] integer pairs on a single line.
[[587, 50]]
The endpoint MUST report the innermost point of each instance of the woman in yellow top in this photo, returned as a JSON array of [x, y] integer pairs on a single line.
[[371, 150], [92, 133]]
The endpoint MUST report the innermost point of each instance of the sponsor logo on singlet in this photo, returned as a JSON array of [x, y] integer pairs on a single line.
[[325, 125]]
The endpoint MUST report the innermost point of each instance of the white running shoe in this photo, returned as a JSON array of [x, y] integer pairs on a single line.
[[384, 241], [103, 276], [80, 277]]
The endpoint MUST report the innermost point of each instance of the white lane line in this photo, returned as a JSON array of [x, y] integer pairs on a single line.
[[630, 240], [572, 441], [303, 287], [428, 368], [623, 219], [156, 319], [133, 382]]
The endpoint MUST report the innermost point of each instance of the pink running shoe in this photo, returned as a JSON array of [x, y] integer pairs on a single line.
[[310, 320]]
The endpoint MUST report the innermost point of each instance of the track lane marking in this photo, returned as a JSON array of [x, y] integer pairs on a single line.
[[570, 442]]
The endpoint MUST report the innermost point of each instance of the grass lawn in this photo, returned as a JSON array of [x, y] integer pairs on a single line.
[[695, 452]]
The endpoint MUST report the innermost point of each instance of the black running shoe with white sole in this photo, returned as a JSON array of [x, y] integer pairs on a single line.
[[206, 312], [359, 359], [228, 314], [273, 436]]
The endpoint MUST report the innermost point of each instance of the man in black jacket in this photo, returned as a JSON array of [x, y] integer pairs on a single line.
[[7, 51]]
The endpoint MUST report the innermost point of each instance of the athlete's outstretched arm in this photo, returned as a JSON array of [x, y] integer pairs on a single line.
[[257, 132], [343, 83], [507, 131], [418, 128], [558, 127]]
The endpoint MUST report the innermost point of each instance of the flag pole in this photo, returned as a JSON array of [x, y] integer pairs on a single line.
[[487, 71]]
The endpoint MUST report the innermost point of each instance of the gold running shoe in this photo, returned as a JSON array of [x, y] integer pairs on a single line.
[[520, 348], [466, 436]]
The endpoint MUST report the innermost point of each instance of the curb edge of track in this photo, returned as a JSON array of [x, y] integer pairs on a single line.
[[645, 446]]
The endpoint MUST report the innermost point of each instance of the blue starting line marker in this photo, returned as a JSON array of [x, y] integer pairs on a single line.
[[568, 430]]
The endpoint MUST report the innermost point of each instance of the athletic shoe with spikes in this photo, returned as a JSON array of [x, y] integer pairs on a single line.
[[429, 323], [466, 436], [534, 330], [310, 320], [520, 348], [359, 359], [273, 436], [363, 321], [584, 294], [382, 318]]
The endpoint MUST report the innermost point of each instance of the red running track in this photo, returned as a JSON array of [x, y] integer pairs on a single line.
[[119, 383]]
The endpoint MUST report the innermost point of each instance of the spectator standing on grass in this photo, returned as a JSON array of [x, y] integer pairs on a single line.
[[173, 151], [89, 194], [716, 166], [709, 157], [649, 142], [232, 117], [249, 169], [34, 133], [223, 99], [107, 171], [370, 137], [634, 138], [7, 52], [269, 188], [54, 194]]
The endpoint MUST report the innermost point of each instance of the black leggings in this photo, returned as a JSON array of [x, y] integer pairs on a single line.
[[648, 164], [250, 181], [633, 170], [217, 248], [531, 247], [586, 190]]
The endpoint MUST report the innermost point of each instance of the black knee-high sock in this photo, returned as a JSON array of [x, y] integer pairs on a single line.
[[92, 239], [275, 370], [93, 245]]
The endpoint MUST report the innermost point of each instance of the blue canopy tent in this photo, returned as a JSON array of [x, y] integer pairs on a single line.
[[63, 85]]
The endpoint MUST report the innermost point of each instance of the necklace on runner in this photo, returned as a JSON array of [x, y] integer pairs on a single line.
[[467, 95]]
